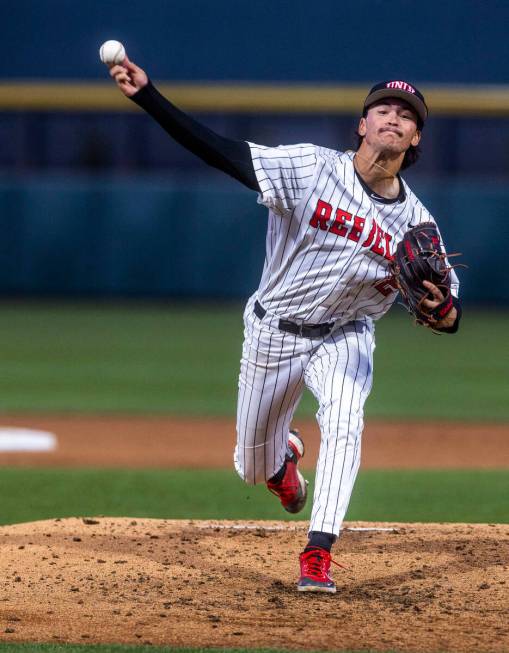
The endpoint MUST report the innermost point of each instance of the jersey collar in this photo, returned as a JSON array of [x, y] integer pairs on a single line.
[[378, 198]]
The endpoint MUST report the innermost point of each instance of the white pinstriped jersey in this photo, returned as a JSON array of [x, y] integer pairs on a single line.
[[329, 240]]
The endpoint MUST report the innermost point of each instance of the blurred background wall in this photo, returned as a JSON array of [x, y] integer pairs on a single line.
[[96, 201]]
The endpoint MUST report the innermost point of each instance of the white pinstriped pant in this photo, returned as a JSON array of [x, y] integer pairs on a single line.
[[275, 366]]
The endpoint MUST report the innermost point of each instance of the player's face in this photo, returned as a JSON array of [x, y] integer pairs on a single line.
[[390, 125]]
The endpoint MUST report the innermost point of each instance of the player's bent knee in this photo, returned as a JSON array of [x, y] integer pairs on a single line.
[[247, 471], [249, 476]]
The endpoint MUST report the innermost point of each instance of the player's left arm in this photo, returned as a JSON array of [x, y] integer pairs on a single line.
[[450, 310]]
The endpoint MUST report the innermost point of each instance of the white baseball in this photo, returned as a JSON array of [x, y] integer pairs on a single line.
[[112, 52]]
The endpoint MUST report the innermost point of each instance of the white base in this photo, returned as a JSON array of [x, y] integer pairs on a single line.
[[13, 439]]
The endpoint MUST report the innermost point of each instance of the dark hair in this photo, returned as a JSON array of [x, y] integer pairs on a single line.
[[411, 155]]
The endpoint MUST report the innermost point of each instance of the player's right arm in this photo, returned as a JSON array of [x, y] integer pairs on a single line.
[[230, 156]]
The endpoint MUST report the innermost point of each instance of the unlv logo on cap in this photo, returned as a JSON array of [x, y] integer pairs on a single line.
[[401, 86]]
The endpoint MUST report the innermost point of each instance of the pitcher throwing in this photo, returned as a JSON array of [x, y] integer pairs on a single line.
[[334, 221]]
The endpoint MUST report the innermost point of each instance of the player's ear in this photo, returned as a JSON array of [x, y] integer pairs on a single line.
[[416, 139], [362, 127]]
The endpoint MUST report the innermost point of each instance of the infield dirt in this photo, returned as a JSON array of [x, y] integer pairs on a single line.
[[170, 442], [219, 584]]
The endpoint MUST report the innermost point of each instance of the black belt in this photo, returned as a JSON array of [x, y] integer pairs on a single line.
[[304, 330]]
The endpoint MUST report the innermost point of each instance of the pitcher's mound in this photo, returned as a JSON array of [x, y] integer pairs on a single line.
[[414, 587]]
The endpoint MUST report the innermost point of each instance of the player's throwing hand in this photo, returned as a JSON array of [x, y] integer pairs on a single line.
[[129, 77]]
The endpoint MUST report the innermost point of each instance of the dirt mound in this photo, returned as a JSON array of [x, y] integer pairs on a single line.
[[413, 587]]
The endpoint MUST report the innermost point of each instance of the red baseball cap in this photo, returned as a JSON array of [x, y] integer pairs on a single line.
[[402, 90]]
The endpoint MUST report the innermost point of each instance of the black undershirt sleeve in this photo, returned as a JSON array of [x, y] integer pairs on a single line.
[[230, 156]]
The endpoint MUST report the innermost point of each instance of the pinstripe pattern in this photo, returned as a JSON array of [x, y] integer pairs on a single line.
[[313, 274], [339, 374], [275, 367], [270, 387]]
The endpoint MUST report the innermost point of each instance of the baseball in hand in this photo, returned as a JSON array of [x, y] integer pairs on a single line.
[[112, 52]]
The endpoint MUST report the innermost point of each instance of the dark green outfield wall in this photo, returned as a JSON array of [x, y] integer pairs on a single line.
[[145, 237], [443, 41], [130, 237]]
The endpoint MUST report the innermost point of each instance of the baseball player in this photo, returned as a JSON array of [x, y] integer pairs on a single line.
[[334, 220]]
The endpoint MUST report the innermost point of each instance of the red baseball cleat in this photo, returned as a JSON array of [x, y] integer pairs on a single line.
[[292, 489], [314, 571]]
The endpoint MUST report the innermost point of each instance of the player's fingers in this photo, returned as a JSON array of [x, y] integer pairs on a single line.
[[137, 73], [120, 74], [430, 304], [123, 78], [127, 88], [434, 290], [130, 65], [115, 69]]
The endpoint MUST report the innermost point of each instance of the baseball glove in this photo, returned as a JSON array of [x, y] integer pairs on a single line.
[[420, 257]]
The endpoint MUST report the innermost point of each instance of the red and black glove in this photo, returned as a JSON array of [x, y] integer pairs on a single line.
[[420, 257]]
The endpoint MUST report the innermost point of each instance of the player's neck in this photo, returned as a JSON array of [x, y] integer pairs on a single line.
[[379, 170]]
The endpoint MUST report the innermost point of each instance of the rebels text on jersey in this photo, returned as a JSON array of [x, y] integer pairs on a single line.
[[329, 240]]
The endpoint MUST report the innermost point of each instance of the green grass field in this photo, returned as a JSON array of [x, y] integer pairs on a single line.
[[182, 359], [404, 496]]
